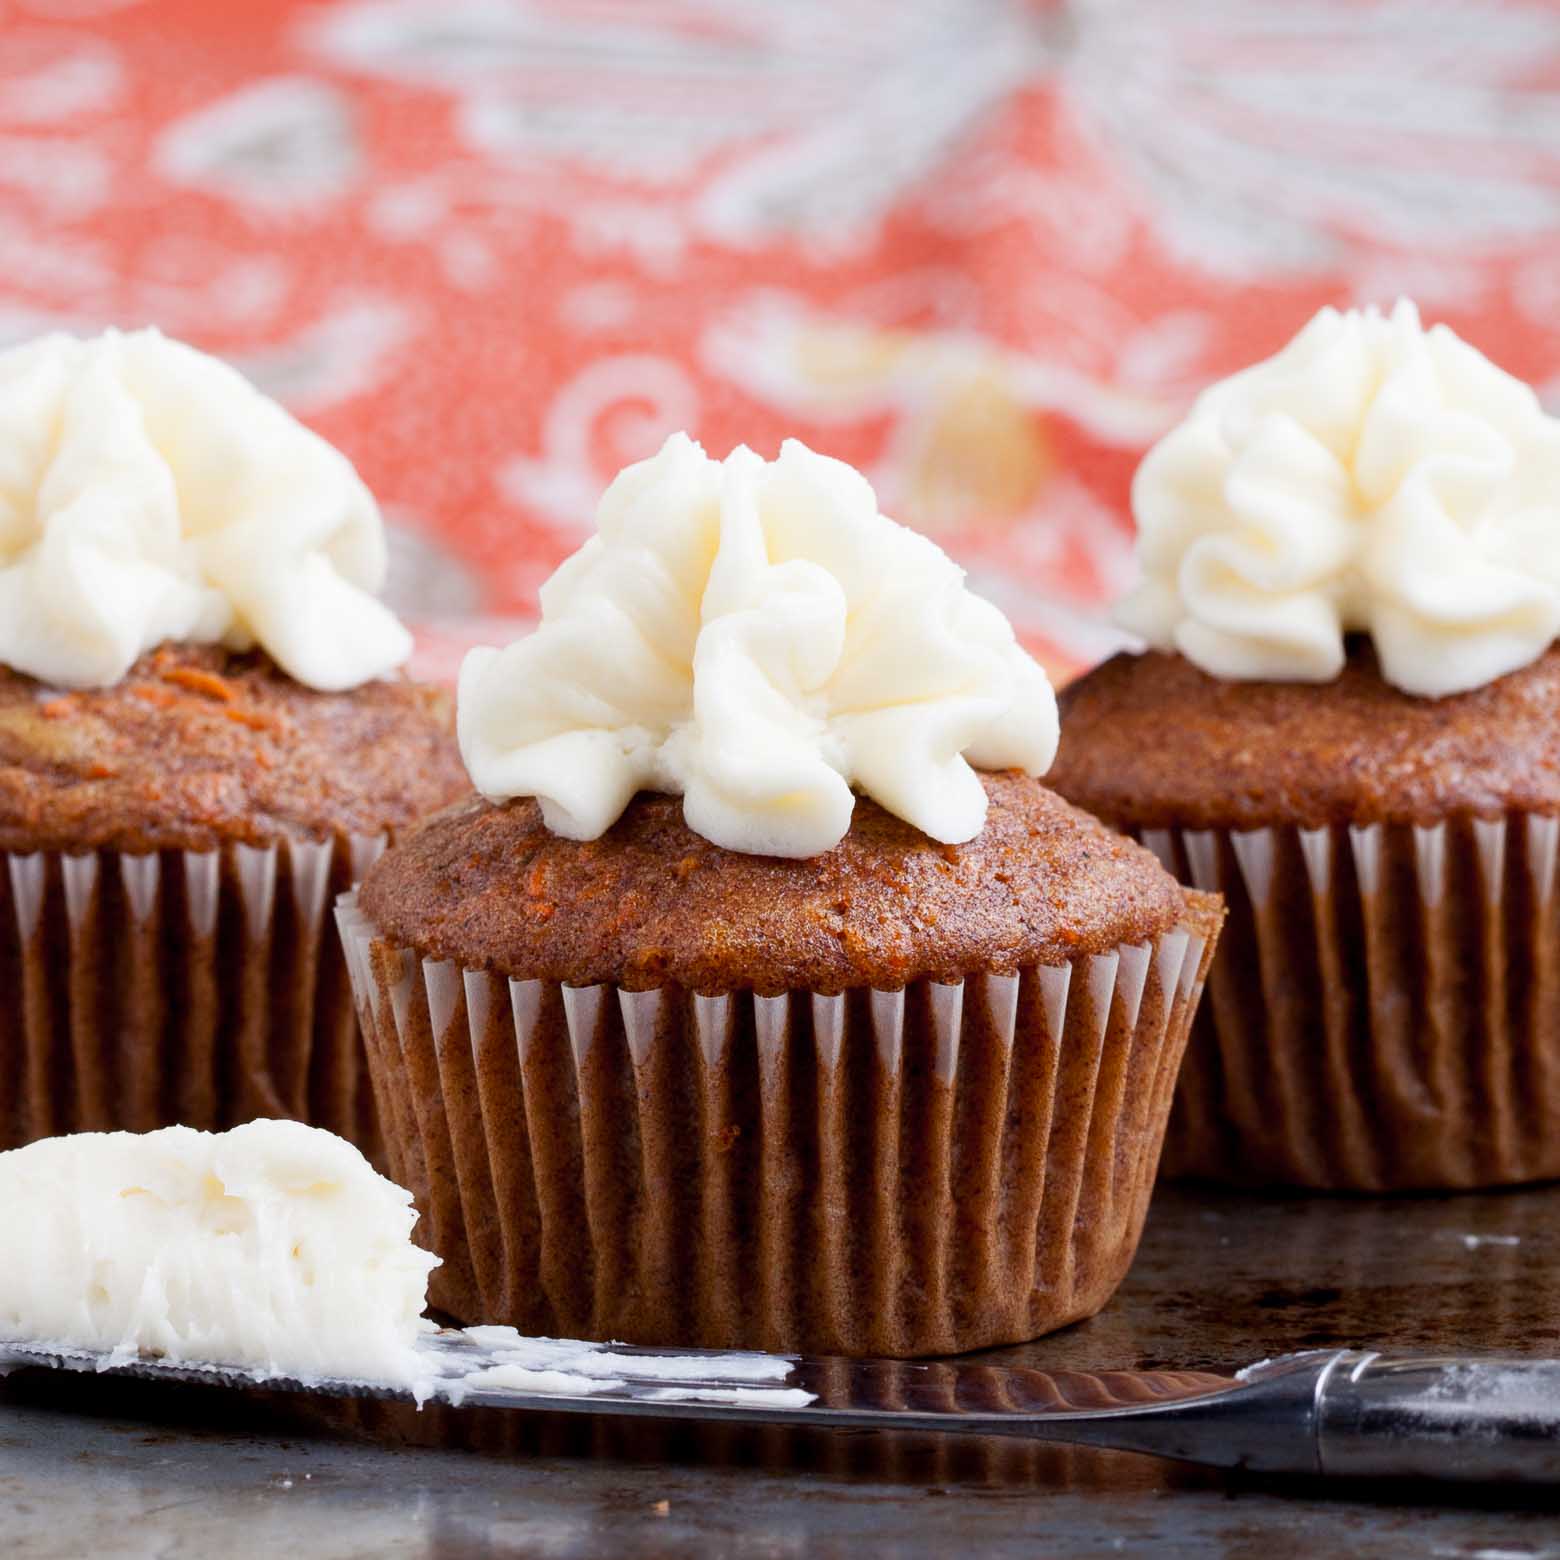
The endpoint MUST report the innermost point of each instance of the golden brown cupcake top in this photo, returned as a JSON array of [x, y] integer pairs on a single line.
[[651, 902], [198, 746], [1151, 741]]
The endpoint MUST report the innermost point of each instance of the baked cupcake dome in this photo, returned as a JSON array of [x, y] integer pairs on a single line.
[[847, 1045], [1382, 1015], [651, 903], [199, 748], [1156, 743]]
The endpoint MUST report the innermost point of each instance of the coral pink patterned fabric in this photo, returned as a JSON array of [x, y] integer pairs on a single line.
[[984, 249]]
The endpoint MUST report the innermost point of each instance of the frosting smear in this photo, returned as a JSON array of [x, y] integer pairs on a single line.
[[1374, 476], [273, 1247], [756, 637]]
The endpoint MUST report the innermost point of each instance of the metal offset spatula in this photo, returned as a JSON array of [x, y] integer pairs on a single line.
[[1330, 1413]]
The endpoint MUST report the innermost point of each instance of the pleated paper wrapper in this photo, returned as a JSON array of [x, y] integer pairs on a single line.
[[928, 1170], [203, 988], [1384, 1013]]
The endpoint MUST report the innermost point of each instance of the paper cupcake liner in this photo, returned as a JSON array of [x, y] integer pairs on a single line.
[[1384, 1013], [201, 988], [906, 1172]]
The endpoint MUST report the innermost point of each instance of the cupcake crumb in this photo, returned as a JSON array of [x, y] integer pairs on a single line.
[[1474, 1242]]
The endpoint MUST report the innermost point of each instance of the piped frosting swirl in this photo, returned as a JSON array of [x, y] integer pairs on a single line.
[[1374, 476], [149, 493], [758, 638]]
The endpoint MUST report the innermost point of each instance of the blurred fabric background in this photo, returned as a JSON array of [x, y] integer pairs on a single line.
[[984, 249]]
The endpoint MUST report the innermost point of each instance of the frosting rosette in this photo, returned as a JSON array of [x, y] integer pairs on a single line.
[[149, 492], [758, 638], [1373, 476]]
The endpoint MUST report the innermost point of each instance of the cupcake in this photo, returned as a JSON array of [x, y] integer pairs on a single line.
[[203, 738], [1349, 725], [764, 997]]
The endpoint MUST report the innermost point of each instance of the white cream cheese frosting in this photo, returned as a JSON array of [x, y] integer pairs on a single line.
[[273, 1247], [1373, 476], [148, 492], [756, 637]]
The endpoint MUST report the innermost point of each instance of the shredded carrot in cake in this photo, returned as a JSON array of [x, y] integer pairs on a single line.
[[152, 693], [198, 681]]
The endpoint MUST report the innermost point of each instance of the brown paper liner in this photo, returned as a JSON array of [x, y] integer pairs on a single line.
[[201, 988], [883, 1172], [1384, 1014]]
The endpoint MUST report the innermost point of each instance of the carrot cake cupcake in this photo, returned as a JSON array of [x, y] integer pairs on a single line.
[[765, 998], [203, 735], [1349, 724]]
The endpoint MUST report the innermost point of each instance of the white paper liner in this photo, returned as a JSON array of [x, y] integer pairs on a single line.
[[912, 1171], [1384, 1013], [202, 988]]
